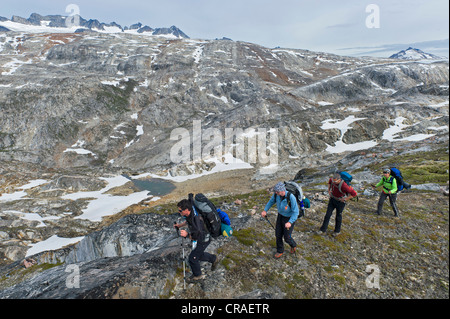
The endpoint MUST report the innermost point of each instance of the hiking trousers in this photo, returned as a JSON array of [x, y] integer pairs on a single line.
[[197, 255], [332, 205], [392, 200], [282, 233]]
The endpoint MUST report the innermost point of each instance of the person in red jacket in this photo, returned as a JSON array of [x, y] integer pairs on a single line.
[[339, 193]]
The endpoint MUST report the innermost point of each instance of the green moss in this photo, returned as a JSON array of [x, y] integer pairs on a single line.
[[340, 279], [328, 268], [324, 242], [245, 236]]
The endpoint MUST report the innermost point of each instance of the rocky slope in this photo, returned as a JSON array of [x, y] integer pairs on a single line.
[[81, 111], [113, 100], [124, 259]]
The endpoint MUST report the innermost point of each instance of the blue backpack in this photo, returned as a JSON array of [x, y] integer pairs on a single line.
[[395, 172], [225, 227], [346, 177], [224, 217]]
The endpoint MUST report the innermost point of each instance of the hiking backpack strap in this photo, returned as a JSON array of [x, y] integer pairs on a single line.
[[340, 187], [390, 181], [288, 196]]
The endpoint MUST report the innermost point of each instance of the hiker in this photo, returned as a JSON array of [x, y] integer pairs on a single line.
[[389, 184], [287, 215], [339, 193], [200, 237]]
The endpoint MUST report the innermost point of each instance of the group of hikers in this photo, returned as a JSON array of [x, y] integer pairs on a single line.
[[289, 210]]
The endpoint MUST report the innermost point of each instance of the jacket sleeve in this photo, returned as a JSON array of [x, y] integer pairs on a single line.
[[379, 183], [270, 203], [350, 190]]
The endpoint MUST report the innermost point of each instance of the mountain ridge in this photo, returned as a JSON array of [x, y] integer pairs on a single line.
[[414, 54], [51, 22]]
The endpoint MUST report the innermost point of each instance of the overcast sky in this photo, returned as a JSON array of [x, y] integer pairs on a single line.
[[318, 25]]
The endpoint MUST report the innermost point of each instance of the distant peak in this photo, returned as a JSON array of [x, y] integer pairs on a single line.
[[414, 54]]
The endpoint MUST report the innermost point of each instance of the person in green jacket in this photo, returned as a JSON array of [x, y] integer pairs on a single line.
[[389, 184]]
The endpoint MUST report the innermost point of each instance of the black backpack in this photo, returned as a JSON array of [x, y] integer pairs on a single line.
[[208, 212], [295, 189]]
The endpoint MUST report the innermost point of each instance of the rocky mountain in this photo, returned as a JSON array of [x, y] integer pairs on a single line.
[[58, 23], [140, 255], [414, 54], [91, 93], [87, 117]]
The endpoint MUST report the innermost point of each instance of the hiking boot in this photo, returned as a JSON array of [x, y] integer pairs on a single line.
[[293, 249], [193, 279], [319, 232], [278, 255], [335, 234], [215, 263]]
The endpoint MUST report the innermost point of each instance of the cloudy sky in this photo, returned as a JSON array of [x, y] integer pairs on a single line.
[[343, 27]]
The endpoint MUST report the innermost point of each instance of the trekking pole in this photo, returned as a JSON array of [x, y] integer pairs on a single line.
[[184, 264], [265, 217], [184, 258]]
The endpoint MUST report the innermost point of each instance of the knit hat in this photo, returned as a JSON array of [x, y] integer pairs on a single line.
[[279, 187]]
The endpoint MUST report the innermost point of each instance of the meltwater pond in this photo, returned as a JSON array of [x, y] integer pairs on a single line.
[[156, 187]]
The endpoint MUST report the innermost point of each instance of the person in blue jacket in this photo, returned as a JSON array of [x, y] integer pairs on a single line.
[[287, 215]]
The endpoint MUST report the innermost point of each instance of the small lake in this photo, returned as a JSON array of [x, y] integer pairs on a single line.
[[156, 187]]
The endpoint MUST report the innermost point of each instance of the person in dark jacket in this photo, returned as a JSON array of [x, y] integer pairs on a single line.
[[199, 236], [339, 193]]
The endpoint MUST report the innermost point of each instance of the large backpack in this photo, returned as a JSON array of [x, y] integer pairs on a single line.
[[295, 189], [347, 178], [395, 172], [208, 212]]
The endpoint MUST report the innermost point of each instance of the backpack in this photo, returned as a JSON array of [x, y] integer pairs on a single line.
[[209, 213], [225, 227], [226, 230], [224, 217], [346, 177], [395, 172], [295, 189]]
